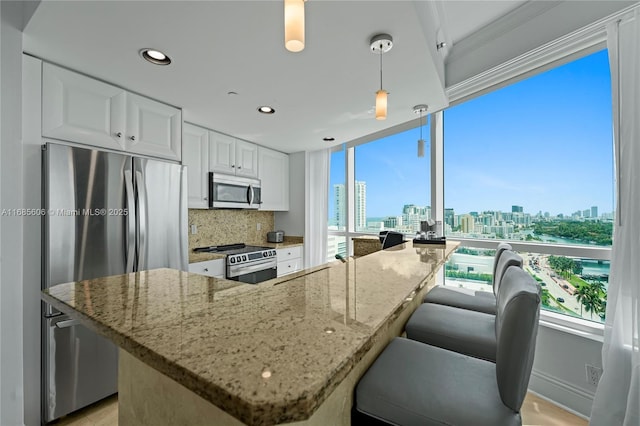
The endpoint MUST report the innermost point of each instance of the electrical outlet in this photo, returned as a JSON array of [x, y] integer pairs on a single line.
[[258, 226], [194, 229], [593, 374]]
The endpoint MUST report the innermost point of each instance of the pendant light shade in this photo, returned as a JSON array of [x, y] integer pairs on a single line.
[[420, 109], [380, 44], [381, 104], [420, 147], [294, 25]]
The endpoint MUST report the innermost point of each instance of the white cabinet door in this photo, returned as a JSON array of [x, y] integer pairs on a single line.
[[273, 167], [246, 159], [153, 128], [80, 109], [210, 268], [289, 260], [195, 155], [222, 153]]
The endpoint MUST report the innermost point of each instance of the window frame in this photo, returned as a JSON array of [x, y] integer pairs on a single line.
[[551, 55]]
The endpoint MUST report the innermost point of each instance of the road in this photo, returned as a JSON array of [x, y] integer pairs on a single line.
[[544, 272]]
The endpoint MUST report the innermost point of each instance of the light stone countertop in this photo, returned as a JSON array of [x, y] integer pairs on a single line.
[[217, 337], [195, 257]]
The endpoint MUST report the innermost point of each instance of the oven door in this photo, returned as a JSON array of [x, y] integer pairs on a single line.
[[253, 273], [233, 192]]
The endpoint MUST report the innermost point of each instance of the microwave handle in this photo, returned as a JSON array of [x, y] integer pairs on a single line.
[[250, 194]]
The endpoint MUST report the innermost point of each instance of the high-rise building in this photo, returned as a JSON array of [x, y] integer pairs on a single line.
[[516, 209], [341, 205], [594, 212], [361, 205], [586, 213], [467, 224], [449, 217]]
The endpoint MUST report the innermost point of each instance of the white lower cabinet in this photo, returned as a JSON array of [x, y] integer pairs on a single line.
[[289, 260], [210, 268]]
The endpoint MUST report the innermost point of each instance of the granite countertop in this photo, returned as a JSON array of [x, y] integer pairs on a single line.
[[219, 338], [195, 257]]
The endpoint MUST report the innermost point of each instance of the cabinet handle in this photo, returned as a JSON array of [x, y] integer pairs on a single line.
[[206, 269], [239, 167], [205, 198], [233, 166], [119, 135], [133, 138]]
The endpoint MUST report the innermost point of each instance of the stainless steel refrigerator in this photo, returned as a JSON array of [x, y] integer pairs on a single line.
[[106, 214]]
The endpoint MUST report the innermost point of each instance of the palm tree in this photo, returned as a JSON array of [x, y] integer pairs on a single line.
[[582, 294]]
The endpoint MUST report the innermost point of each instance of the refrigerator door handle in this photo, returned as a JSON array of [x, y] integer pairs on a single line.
[[142, 221], [131, 221], [67, 323]]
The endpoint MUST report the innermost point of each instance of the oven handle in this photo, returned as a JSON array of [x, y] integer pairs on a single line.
[[238, 270]]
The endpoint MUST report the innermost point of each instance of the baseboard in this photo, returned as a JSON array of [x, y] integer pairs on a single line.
[[565, 395]]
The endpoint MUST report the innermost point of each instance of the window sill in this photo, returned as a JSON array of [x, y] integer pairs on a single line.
[[575, 326]]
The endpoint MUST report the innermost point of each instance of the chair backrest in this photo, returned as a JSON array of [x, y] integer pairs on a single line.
[[507, 258], [517, 315], [501, 248], [392, 239]]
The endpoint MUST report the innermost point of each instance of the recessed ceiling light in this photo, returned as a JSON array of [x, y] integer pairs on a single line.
[[328, 139], [155, 56], [266, 109]]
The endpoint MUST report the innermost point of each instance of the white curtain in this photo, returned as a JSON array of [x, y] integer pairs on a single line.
[[617, 400], [316, 207]]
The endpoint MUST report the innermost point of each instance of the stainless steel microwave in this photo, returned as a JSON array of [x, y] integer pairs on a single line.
[[233, 192]]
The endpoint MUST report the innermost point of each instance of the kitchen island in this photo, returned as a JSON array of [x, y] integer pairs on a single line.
[[201, 350]]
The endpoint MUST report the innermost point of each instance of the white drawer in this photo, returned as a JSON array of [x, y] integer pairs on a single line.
[[210, 268], [289, 253], [289, 266]]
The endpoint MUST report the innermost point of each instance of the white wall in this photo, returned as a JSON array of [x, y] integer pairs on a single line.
[[11, 350], [292, 221], [559, 368], [32, 163], [526, 28]]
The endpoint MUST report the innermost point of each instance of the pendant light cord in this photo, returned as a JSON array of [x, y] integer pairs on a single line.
[[381, 52]]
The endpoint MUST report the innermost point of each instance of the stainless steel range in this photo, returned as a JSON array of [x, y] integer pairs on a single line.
[[247, 264]]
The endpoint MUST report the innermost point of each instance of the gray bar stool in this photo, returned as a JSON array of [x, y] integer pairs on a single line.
[[480, 301], [461, 330], [412, 383]]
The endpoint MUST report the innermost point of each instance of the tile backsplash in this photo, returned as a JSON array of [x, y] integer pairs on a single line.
[[216, 227]]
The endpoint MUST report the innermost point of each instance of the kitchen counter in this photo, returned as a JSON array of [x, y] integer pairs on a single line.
[[195, 257], [270, 353]]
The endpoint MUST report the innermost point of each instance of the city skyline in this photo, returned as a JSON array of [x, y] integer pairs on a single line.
[[551, 153]]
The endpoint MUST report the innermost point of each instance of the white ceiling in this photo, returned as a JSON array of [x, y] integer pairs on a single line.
[[222, 46]]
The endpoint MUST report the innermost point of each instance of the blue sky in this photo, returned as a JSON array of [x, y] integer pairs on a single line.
[[544, 143]]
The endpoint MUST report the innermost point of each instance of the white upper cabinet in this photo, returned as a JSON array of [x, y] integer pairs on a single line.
[[246, 159], [232, 156], [80, 109], [195, 155], [222, 153], [153, 128], [274, 177]]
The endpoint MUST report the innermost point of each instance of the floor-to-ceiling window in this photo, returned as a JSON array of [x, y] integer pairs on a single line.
[[532, 163], [389, 188]]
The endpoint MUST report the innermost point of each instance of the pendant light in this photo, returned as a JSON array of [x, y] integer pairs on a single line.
[[381, 44], [420, 109], [294, 25]]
